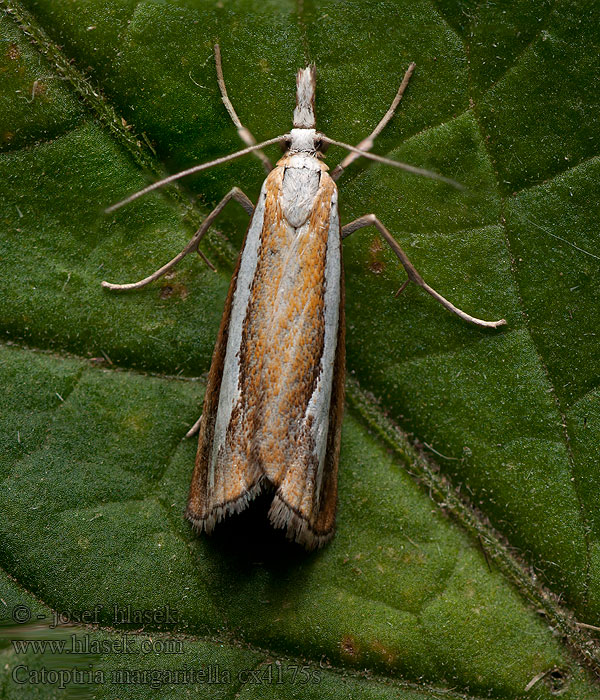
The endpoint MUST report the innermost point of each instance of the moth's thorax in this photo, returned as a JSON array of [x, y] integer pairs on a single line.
[[301, 177]]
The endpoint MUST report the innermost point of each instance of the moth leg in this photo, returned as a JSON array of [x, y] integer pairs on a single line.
[[243, 132], [413, 275], [195, 428], [367, 144], [235, 194]]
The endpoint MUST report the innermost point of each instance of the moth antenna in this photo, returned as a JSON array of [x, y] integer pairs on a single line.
[[396, 163], [243, 132], [190, 171]]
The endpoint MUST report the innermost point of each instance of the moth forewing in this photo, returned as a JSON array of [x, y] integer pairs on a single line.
[[200, 509], [279, 360]]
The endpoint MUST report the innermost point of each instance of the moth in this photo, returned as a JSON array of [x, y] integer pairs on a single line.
[[272, 413]]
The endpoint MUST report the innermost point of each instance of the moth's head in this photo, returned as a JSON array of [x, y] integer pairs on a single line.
[[308, 141], [304, 138]]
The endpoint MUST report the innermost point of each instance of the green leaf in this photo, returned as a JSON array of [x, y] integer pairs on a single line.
[[99, 97]]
